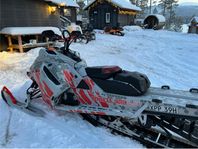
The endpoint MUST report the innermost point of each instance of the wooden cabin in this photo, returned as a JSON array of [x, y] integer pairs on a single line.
[[113, 13], [34, 13], [193, 27]]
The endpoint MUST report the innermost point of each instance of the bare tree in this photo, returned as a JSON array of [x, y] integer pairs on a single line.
[[151, 3], [164, 5]]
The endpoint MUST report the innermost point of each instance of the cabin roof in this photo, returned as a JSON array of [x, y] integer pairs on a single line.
[[195, 19], [69, 3], [124, 4]]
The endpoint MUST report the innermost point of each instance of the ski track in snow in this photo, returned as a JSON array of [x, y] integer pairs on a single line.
[[166, 57]]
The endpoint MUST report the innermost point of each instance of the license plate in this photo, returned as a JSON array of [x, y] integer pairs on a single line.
[[164, 109]]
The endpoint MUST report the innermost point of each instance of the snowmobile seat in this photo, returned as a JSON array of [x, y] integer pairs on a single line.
[[138, 80], [104, 72], [125, 83]]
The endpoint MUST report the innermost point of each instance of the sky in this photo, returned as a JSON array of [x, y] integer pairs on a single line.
[[184, 1]]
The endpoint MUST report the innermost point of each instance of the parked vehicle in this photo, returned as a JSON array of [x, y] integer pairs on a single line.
[[114, 30], [88, 31], [77, 34]]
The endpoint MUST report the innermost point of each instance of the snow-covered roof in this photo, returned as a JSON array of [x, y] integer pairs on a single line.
[[195, 19], [70, 3], [160, 18], [28, 30], [125, 4]]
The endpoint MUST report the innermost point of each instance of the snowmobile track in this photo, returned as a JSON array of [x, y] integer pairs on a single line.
[[150, 137]]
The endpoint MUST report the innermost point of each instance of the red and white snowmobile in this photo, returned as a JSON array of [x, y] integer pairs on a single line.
[[108, 95]]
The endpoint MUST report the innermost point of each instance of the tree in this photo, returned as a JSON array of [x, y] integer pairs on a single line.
[[155, 11], [163, 4], [143, 4], [172, 4], [81, 6], [169, 10], [151, 3]]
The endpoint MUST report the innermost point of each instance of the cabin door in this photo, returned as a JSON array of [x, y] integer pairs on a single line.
[[95, 19]]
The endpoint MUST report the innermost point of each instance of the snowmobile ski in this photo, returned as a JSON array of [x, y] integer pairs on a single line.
[[14, 103]]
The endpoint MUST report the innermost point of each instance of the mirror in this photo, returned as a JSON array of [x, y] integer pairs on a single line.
[[66, 34]]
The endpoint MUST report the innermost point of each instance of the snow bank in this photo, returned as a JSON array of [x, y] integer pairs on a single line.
[[13, 67], [132, 28], [28, 30], [185, 28]]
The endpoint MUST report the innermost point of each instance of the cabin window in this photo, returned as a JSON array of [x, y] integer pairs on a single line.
[[67, 12], [108, 17]]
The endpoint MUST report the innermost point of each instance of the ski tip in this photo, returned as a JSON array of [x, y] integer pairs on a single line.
[[4, 91]]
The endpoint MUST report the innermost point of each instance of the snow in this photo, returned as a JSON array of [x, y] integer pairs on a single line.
[[195, 19], [28, 30], [168, 58], [160, 18], [132, 28], [185, 28], [70, 3], [125, 4]]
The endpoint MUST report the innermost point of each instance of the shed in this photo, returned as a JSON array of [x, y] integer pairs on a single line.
[[154, 21], [113, 13], [193, 27], [35, 13]]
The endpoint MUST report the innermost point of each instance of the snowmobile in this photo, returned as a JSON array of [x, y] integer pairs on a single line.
[[76, 32], [114, 30], [89, 32], [119, 99]]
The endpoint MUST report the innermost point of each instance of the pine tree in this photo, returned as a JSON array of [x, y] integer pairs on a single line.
[[155, 11], [172, 4], [151, 3], [163, 4], [81, 6]]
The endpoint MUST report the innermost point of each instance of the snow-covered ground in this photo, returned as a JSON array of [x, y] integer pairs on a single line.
[[166, 57], [185, 28]]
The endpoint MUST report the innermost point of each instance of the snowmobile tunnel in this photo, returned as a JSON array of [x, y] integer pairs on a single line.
[[154, 22]]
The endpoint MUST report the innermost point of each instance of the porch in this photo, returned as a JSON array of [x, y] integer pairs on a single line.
[[22, 38]]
